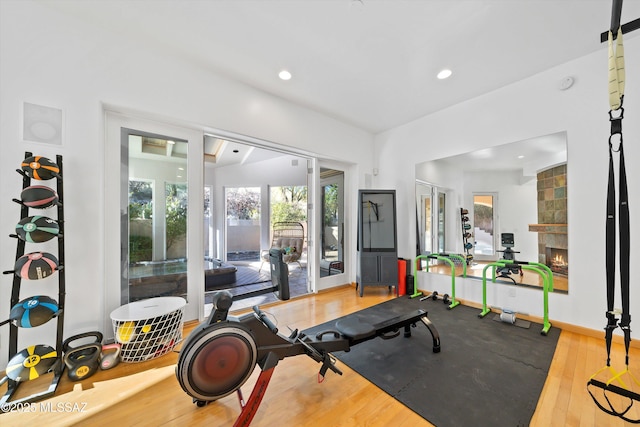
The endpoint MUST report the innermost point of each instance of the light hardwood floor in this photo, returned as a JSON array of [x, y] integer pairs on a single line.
[[294, 397]]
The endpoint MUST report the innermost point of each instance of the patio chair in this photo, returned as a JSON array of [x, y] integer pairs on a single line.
[[288, 237]]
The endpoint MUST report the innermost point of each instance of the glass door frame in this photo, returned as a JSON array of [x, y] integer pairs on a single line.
[[116, 176], [496, 232], [347, 232], [338, 180], [430, 193], [311, 161]]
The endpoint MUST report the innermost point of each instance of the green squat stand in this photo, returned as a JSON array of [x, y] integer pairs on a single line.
[[462, 260], [416, 292], [446, 258], [547, 286]]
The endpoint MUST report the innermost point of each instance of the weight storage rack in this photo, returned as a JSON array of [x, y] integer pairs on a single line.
[[58, 366], [466, 235]]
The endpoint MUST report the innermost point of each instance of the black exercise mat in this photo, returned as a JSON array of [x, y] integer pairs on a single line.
[[487, 373]]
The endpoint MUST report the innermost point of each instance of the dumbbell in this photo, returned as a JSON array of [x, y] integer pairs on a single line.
[[445, 297], [82, 361]]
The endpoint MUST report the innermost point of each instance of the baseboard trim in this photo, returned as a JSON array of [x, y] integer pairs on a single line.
[[593, 333]]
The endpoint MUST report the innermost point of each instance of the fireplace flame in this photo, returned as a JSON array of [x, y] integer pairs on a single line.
[[559, 260]]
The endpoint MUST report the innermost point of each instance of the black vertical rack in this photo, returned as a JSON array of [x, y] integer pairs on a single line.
[[57, 368], [466, 234]]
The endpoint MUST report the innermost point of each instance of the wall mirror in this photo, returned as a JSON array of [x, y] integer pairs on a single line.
[[516, 190]]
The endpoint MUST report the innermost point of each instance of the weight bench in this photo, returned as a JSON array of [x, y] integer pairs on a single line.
[[221, 353], [356, 331]]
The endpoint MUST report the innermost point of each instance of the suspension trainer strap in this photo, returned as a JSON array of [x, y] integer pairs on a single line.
[[612, 321], [623, 207], [616, 100], [625, 237], [616, 114], [621, 225]]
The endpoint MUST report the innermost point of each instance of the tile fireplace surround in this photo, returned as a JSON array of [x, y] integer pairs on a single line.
[[552, 218]]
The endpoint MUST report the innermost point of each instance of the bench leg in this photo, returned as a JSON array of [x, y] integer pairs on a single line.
[[434, 333]]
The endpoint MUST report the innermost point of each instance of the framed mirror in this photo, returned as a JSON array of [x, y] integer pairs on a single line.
[[515, 196]]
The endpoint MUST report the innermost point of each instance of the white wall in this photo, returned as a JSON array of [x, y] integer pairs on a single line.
[[516, 207], [529, 108], [52, 60]]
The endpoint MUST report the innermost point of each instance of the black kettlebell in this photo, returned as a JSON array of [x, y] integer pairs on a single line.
[[82, 361]]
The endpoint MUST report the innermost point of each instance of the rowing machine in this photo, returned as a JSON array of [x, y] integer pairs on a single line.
[[221, 353]]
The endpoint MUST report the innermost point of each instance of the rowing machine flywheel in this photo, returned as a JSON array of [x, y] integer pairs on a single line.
[[216, 360]]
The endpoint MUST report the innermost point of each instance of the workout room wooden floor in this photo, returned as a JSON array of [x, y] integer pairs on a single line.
[[294, 398]]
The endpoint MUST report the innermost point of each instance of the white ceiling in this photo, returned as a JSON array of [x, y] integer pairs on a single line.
[[528, 157], [370, 63]]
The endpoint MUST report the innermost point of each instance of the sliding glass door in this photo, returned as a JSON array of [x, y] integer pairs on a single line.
[[155, 226], [149, 199]]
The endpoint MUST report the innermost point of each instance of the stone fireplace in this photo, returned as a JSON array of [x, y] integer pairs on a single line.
[[553, 242]]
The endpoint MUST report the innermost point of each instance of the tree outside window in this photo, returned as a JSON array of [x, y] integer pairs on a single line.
[[140, 221], [176, 220], [288, 203]]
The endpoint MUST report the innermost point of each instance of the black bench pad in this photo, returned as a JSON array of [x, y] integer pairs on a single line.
[[354, 329]]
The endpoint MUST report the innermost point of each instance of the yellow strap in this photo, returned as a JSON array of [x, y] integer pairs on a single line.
[[616, 71]]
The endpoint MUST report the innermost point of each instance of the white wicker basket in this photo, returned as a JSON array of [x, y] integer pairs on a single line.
[[149, 328]]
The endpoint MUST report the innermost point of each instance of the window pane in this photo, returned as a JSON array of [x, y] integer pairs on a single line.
[[140, 220], [157, 211], [428, 239], [483, 224], [176, 221], [441, 222], [208, 224], [332, 231], [243, 223], [288, 204]]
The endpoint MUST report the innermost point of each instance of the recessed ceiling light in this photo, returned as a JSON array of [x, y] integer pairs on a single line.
[[444, 74], [521, 156], [284, 75]]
